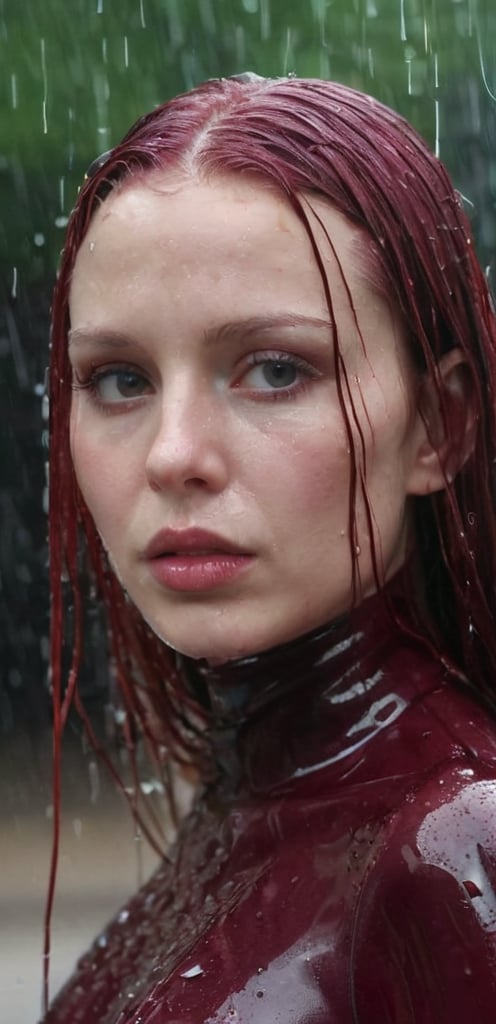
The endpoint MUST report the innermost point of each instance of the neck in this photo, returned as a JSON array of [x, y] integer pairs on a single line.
[[317, 701]]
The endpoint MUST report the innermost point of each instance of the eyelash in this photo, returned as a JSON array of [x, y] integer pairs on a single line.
[[95, 376]]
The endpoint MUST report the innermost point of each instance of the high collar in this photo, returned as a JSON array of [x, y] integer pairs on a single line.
[[319, 700]]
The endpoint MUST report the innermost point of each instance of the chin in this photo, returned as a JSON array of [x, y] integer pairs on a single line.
[[226, 633], [215, 650], [233, 640], [218, 653], [201, 641]]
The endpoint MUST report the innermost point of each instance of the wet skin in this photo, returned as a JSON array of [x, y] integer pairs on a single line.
[[206, 397]]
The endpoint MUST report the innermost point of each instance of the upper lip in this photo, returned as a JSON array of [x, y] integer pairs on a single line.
[[192, 540]]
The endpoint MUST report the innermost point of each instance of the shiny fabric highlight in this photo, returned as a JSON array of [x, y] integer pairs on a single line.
[[341, 870]]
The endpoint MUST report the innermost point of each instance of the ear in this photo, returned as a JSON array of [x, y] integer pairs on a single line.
[[446, 425]]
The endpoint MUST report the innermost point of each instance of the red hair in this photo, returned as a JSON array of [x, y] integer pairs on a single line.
[[302, 136]]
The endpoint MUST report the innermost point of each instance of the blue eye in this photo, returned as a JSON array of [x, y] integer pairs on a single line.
[[279, 374], [115, 385]]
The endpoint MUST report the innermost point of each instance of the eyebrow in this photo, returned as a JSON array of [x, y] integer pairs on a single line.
[[97, 335], [260, 324], [226, 332]]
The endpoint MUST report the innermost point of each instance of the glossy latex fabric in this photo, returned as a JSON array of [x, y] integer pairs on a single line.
[[342, 870]]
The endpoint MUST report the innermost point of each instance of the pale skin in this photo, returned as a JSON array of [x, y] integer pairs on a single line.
[[199, 319]]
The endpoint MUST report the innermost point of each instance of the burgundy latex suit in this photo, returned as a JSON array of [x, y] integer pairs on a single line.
[[343, 868]]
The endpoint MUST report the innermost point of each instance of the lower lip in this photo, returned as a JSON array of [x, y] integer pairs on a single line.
[[195, 573]]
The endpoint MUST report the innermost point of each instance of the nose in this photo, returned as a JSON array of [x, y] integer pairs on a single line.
[[187, 450]]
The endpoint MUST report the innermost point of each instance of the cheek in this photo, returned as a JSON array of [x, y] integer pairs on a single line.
[[305, 478], [105, 486], [391, 452], [382, 501]]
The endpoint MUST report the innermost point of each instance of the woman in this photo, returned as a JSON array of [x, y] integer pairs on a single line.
[[279, 452]]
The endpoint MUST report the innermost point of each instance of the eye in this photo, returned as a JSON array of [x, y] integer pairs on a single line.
[[276, 372], [114, 385], [273, 374]]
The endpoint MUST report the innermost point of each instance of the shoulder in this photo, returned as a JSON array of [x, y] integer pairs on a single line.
[[425, 926]]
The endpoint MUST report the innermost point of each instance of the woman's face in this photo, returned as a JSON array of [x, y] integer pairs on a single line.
[[206, 428]]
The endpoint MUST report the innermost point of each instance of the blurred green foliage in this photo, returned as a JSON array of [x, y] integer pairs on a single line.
[[74, 74]]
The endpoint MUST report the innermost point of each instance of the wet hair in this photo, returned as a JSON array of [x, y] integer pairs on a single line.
[[304, 138]]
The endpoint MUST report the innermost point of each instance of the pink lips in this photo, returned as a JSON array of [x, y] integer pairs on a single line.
[[194, 559]]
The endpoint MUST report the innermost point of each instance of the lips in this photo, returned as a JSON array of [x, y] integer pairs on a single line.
[[194, 560], [193, 541]]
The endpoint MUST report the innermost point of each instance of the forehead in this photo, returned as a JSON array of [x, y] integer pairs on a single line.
[[241, 206], [219, 233]]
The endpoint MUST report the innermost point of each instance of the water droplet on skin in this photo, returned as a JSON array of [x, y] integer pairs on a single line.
[[91, 246]]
